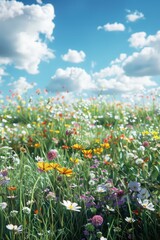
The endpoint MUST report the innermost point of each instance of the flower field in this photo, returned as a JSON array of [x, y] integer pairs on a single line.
[[86, 170]]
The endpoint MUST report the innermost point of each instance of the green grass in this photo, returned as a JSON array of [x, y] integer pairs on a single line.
[[102, 144]]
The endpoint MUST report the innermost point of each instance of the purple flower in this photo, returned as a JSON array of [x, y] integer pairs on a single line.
[[52, 154], [97, 220]]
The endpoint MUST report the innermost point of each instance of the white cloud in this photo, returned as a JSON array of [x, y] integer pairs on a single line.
[[112, 27], [134, 16], [108, 80], [22, 26], [21, 86], [70, 79], [113, 79], [74, 56], [114, 70], [121, 58], [124, 84], [2, 73], [147, 61], [138, 40], [39, 1]]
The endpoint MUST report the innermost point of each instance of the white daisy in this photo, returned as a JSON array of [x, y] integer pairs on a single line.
[[71, 206], [146, 204]]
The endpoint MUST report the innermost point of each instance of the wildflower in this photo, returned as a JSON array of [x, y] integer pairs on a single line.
[[22, 149], [12, 188], [75, 160], [105, 145], [77, 146], [43, 166], [146, 204], [145, 144], [30, 202], [51, 196], [26, 210], [4, 173], [134, 186], [101, 188], [14, 227], [39, 159], [139, 161], [141, 148], [143, 193], [13, 213], [103, 238], [109, 208], [37, 145], [92, 174], [3, 205], [98, 150], [52, 154], [92, 182], [36, 211], [97, 220], [129, 219], [65, 171], [69, 132], [71, 206]]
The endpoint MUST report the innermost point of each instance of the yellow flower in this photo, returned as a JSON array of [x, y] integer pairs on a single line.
[[89, 151], [44, 166], [65, 171], [105, 145], [37, 145], [156, 137], [57, 131], [145, 133], [98, 150], [77, 146], [75, 160]]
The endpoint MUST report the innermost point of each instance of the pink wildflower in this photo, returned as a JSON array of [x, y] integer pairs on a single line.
[[52, 154], [97, 220], [145, 144]]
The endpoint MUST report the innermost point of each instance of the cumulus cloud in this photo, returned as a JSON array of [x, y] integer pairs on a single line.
[[39, 1], [112, 27], [70, 79], [138, 40], [146, 62], [124, 84], [134, 16], [74, 56], [121, 58], [21, 86], [114, 70], [24, 28]]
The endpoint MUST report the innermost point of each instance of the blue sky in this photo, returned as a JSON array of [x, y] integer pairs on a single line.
[[82, 47]]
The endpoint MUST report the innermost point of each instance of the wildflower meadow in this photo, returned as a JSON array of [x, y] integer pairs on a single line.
[[86, 170]]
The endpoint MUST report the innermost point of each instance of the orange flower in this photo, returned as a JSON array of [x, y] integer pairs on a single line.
[[12, 188], [36, 211], [37, 145], [65, 147], [44, 166], [87, 153], [65, 171]]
